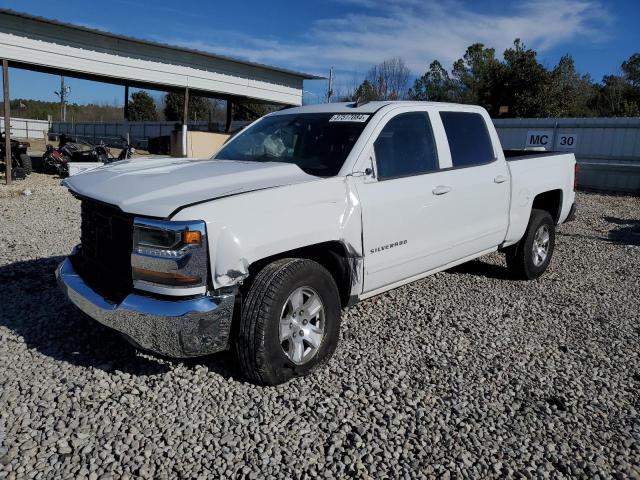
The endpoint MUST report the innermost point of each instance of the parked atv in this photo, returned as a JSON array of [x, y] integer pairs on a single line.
[[20, 160], [56, 160]]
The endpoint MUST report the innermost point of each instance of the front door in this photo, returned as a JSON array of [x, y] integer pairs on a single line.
[[404, 224]]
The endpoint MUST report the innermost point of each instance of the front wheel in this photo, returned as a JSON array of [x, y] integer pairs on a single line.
[[530, 257], [25, 162], [290, 321]]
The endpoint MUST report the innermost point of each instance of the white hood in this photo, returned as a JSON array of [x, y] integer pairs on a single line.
[[157, 187]]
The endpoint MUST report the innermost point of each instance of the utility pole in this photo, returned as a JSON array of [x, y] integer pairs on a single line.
[[63, 99], [63, 94], [330, 90]]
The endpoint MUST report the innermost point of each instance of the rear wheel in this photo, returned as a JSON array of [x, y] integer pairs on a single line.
[[290, 321], [530, 257], [25, 163]]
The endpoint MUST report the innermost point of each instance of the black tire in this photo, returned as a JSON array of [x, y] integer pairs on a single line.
[[257, 343], [25, 162], [520, 256]]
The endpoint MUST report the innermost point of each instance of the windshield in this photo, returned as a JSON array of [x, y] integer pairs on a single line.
[[318, 143]]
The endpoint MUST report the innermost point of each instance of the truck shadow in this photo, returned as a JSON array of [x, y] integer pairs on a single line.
[[34, 309], [623, 231], [627, 233]]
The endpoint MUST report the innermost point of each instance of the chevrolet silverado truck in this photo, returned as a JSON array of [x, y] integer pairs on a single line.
[[306, 211]]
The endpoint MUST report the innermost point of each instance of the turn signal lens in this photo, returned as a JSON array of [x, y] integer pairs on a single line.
[[191, 237], [165, 278]]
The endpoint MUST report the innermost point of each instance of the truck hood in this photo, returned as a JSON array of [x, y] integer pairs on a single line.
[[158, 187]]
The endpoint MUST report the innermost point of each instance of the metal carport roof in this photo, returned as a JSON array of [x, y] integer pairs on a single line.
[[42, 44]]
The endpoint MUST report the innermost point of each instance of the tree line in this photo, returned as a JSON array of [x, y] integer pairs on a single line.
[[142, 107], [517, 85], [41, 110]]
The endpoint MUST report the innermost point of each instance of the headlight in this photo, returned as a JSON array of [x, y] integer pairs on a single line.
[[169, 258]]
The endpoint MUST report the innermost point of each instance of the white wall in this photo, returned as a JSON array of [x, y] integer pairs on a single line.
[[27, 128], [607, 149]]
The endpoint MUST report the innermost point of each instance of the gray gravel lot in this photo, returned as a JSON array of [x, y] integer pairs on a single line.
[[464, 374]]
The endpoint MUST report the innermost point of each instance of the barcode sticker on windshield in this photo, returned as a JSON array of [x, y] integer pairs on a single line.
[[349, 117]]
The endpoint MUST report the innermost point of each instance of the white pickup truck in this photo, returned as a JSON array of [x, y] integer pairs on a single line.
[[306, 211]]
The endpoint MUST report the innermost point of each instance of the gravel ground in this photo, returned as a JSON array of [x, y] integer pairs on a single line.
[[463, 374]]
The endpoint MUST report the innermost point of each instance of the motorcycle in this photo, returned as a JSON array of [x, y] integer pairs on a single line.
[[127, 151]]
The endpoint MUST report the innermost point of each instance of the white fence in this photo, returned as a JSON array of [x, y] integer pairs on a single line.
[[607, 149], [27, 128]]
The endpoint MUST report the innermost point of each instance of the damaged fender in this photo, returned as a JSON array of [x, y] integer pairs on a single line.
[[245, 228]]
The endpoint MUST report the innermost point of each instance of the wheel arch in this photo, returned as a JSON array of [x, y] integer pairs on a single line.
[[340, 260], [549, 201]]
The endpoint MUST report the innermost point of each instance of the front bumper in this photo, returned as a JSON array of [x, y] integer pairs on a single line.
[[176, 328]]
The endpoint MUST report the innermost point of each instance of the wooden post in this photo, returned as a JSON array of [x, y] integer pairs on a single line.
[[7, 119]]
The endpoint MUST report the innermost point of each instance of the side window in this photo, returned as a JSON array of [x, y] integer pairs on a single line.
[[406, 147], [468, 137]]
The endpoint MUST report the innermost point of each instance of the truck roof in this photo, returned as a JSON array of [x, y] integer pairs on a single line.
[[350, 107]]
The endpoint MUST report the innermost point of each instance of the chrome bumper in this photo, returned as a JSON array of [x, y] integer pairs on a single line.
[[176, 328]]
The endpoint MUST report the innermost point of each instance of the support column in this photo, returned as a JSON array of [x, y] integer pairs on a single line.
[[229, 111], [185, 121], [126, 102], [7, 119], [125, 127]]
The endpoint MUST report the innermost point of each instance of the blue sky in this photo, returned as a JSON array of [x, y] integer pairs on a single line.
[[350, 35]]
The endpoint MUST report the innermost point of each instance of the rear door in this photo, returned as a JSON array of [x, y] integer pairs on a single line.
[[478, 182]]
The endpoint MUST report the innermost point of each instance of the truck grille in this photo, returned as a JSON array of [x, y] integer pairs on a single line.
[[104, 262]]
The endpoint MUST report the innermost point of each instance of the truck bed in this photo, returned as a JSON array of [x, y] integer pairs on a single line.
[[544, 172], [513, 155]]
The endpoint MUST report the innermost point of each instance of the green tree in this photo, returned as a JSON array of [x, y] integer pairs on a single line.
[[617, 98], [570, 94], [479, 76], [619, 95], [142, 107], [199, 107], [435, 85], [524, 82], [631, 70], [365, 93]]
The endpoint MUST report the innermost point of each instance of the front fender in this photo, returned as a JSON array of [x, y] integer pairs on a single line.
[[248, 227]]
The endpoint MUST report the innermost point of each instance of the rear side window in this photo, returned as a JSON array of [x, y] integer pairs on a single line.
[[406, 147], [468, 137]]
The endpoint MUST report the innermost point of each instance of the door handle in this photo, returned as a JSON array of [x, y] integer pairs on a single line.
[[441, 190], [500, 179]]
